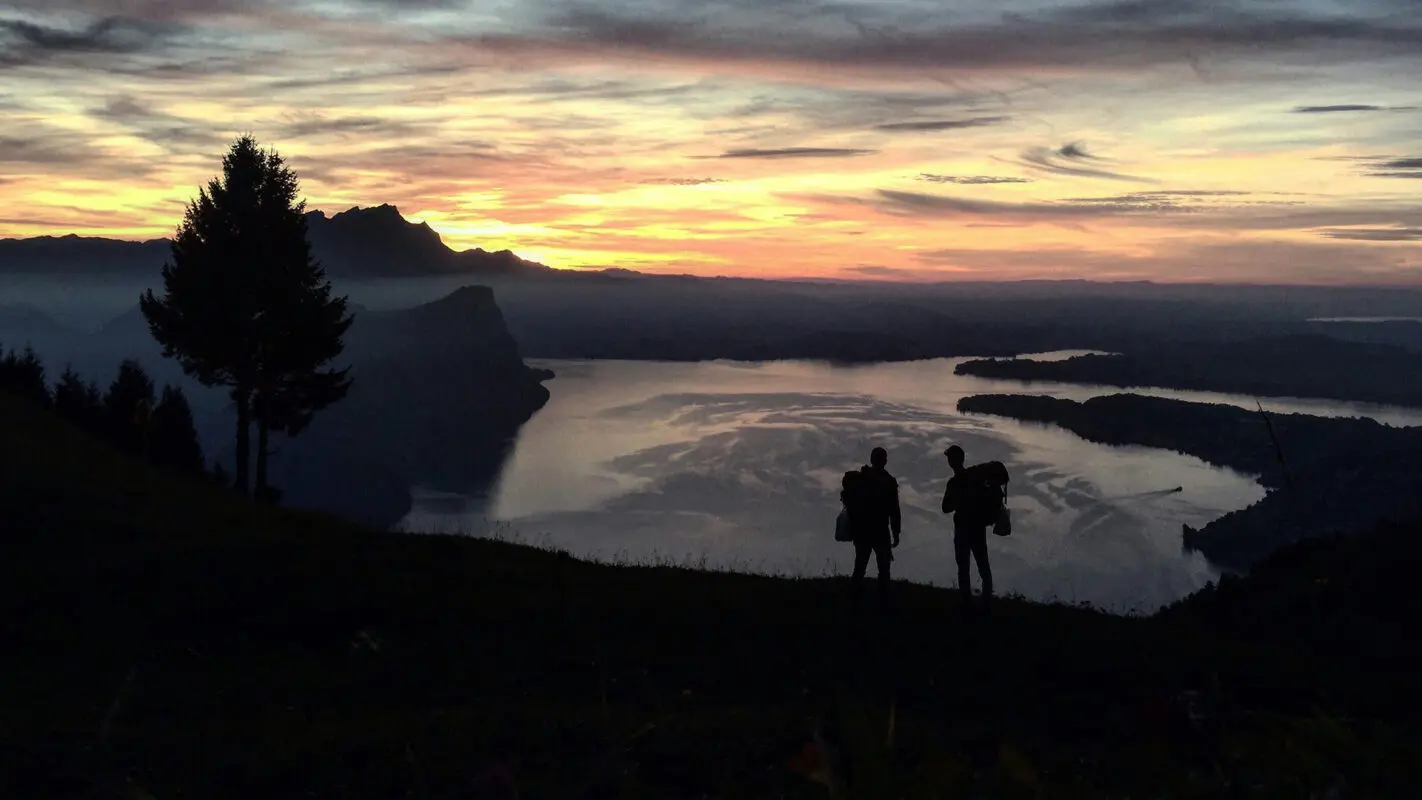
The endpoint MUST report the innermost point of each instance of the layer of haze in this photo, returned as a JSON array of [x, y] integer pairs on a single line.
[[891, 139]]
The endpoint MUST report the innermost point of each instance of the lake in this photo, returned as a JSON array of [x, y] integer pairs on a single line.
[[737, 465]]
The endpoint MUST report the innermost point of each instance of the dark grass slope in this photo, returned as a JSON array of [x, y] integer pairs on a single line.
[[166, 637]]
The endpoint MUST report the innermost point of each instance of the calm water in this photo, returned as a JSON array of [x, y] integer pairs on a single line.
[[739, 465]]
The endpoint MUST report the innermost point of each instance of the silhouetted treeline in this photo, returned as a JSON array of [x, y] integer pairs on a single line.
[[1285, 366], [23, 374], [131, 415], [1343, 475]]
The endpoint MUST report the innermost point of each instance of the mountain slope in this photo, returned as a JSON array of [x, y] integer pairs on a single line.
[[440, 391], [167, 638], [71, 254], [379, 242], [356, 243]]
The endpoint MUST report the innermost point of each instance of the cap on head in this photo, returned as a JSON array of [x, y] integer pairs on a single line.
[[955, 454], [879, 457]]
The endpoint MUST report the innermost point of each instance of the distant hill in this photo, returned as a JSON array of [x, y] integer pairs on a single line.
[[1302, 365], [1344, 475], [71, 254], [27, 321], [357, 243], [440, 392], [622, 314]]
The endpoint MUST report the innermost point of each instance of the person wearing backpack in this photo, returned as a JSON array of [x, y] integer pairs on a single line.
[[871, 496], [975, 497]]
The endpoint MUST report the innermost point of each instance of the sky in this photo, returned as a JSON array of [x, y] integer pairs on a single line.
[[1270, 141]]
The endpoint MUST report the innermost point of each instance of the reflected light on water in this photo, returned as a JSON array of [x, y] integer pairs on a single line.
[[738, 465]]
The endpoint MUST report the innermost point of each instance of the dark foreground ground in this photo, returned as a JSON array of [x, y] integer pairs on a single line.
[[163, 639]]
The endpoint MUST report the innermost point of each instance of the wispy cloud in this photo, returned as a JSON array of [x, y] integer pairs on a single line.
[[27, 43], [309, 124], [1102, 35], [878, 272], [1226, 260], [1069, 159], [33, 150], [1182, 210], [1335, 109], [940, 125], [970, 180], [795, 152], [1376, 234], [169, 131], [682, 181], [1388, 167], [944, 206]]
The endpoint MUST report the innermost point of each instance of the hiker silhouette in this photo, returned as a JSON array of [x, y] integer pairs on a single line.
[[974, 497], [871, 495]]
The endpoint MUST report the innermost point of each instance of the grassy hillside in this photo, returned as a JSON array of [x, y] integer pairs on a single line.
[[164, 639]]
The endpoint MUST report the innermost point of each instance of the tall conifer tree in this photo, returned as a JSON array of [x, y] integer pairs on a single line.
[[246, 307]]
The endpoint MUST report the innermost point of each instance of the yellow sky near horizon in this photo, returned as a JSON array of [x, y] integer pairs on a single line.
[[899, 140]]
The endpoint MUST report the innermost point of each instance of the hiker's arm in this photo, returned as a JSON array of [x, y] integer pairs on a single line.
[[896, 520], [948, 504]]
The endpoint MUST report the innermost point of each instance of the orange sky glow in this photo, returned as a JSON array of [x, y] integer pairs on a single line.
[[903, 140]]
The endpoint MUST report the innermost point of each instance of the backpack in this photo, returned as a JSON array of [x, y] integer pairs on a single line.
[[843, 531], [988, 497], [988, 503], [996, 478], [1003, 525], [854, 495]]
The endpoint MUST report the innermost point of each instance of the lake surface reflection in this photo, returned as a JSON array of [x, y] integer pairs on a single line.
[[739, 464]]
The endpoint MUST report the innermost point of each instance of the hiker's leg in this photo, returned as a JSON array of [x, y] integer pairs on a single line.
[[885, 557], [962, 552], [980, 554], [861, 563]]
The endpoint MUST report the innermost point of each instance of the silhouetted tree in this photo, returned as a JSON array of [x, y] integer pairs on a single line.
[[245, 306], [128, 408], [219, 474], [287, 405], [78, 402], [22, 374], [173, 436]]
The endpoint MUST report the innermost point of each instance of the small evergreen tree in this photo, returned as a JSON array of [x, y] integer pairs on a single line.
[[22, 374], [78, 402], [245, 306], [128, 408], [173, 436]]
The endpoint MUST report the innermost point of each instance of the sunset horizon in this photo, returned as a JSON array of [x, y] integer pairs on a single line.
[[1107, 141]]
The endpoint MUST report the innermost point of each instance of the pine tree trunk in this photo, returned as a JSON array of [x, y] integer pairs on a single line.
[[262, 430], [244, 440]]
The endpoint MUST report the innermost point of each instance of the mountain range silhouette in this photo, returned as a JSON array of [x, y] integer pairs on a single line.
[[371, 242]]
